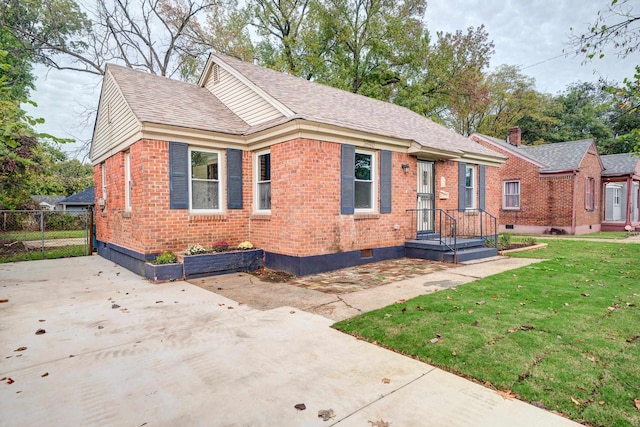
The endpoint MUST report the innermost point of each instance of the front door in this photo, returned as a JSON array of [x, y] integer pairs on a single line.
[[426, 199]]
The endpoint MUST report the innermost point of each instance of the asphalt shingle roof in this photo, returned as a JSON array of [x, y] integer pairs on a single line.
[[554, 157], [316, 102], [160, 100], [558, 156], [619, 164], [84, 197]]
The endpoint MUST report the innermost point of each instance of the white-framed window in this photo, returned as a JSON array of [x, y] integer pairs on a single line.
[[263, 181], [590, 194], [205, 170], [127, 181], [364, 181], [511, 195], [103, 178], [617, 196], [470, 187]]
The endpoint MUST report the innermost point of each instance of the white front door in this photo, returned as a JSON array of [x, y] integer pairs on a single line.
[[426, 198]]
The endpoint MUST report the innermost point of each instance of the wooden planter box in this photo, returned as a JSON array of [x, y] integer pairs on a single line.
[[211, 264], [163, 272]]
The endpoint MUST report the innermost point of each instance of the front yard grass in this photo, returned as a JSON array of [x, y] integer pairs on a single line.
[[613, 235], [37, 235], [563, 333]]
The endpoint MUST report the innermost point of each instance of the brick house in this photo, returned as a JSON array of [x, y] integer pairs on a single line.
[[317, 177], [621, 182], [551, 188]]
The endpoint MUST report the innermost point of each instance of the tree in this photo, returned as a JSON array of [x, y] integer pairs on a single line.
[[280, 24], [617, 26], [447, 82], [158, 36]]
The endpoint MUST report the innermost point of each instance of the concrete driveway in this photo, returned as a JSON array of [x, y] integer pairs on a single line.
[[120, 351]]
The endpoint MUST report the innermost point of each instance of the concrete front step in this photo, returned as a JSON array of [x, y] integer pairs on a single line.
[[467, 249], [470, 254]]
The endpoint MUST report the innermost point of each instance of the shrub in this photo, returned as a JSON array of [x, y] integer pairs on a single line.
[[220, 246], [166, 257], [245, 245], [196, 249], [504, 241]]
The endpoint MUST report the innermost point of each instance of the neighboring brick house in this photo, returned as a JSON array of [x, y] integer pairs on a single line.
[[317, 177], [621, 180], [551, 188]]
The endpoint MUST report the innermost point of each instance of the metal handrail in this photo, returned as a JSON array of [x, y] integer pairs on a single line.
[[477, 223], [446, 229]]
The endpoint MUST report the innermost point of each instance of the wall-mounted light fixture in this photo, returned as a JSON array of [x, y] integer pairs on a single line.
[[405, 167]]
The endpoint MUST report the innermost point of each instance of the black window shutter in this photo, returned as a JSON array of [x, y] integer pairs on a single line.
[[482, 172], [385, 181], [178, 179], [462, 174], [234, 178], [347, 179]]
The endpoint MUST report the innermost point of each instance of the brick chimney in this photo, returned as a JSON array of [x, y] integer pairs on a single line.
[[515, 136]]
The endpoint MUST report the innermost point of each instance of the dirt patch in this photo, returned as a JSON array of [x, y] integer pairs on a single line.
[[272, 276], [12, 248]]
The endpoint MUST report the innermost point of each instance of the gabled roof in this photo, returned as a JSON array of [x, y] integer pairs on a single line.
[[160, 100], [620, 164], [316, 102], [558, 156], [50, 200], [84, 197], [553, 157]]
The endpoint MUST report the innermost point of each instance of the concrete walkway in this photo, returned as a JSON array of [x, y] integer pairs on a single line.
[[117, 350], [249, 290]]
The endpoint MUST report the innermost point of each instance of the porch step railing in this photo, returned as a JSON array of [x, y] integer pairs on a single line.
[[476, 223], [435, 224]]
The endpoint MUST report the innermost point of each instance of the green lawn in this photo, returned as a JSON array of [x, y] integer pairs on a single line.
[[563, 332], [615, 235], [37, 235]]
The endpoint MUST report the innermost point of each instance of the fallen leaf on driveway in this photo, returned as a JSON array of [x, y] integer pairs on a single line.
[[325, 414], [386, 380], [379, 423], [10, 381], [46, 374], [506, 394], [40, 332], [114, 306], [575, 401], [400, 301], [159, 302], [20, 349], [300, 406], [124, 310], [3, 300]]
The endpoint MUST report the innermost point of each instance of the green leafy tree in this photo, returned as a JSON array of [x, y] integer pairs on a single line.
[[615, 26]]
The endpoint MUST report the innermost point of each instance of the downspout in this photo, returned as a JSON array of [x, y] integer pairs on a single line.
[[629, 201], [574, 208]]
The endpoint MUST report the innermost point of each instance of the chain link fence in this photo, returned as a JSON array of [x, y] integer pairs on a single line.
[[39, 234]]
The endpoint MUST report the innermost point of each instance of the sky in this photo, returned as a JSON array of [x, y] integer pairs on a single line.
[[532, 34]]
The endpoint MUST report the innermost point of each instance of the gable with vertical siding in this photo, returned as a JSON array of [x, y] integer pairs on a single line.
[[239, 98], [115, 122]]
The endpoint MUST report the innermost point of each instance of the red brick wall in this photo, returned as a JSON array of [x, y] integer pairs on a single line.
[[546, 201], [305, 217]]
